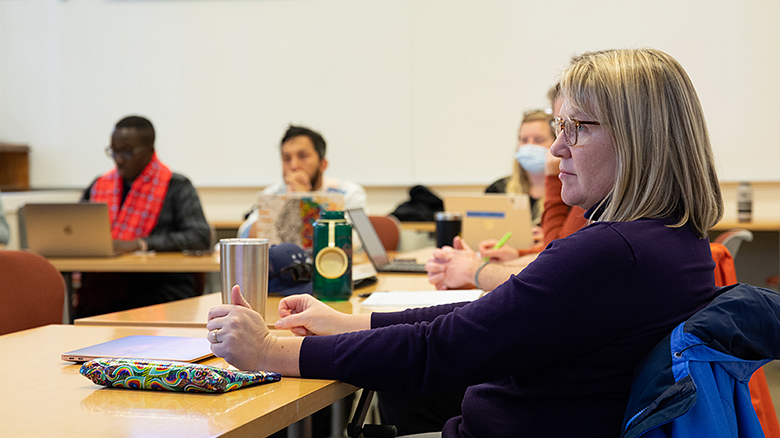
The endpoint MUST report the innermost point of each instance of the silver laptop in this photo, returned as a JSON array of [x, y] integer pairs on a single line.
[[68, 230], [491, 215], [180, 349], [374, 248], [290, 217]]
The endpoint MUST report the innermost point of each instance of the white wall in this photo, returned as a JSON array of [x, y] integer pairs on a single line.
[[404, 91]]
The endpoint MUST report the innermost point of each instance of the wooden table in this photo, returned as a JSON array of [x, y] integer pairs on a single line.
[[132, 262], [755, 225], [193, 312], [45, 396], [152, 262], [419, 227]]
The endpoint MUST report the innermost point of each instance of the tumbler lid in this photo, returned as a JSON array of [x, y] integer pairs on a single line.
[[448, 216], [332, 214], [242, 241]]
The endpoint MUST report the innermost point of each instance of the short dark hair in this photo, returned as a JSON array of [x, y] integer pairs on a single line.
[[142, 124], [314, 136]]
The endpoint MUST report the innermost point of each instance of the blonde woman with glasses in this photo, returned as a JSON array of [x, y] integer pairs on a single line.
[[550, 352]]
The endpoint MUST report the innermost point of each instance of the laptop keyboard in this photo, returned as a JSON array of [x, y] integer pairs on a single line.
[[404, 266]]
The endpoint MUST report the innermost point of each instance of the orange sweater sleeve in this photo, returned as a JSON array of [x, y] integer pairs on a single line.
[[558, 219]]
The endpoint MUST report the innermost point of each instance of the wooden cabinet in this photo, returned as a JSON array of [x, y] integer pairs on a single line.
[[14, 167]]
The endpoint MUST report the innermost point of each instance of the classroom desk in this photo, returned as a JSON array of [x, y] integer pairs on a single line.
[[419, 227], [756, 225], [153, 262], [193, 312], [50, 397], [132, 262]]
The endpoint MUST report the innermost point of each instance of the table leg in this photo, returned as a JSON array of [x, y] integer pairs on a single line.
[[337, 424], [67, 310], [301, 429]]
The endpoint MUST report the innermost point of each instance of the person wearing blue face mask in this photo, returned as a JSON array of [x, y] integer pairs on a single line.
[[534, 139]]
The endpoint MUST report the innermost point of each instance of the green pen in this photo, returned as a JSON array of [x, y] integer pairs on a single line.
[[500, 243]]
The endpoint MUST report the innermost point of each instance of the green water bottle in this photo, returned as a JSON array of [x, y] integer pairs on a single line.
[[332, 257]]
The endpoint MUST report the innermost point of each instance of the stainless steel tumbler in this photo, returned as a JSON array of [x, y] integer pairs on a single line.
[[245, 262]]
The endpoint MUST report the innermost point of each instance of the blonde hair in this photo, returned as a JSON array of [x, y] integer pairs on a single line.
[[519, 183], [647, 103]]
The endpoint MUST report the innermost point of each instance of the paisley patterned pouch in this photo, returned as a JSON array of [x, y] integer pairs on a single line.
[[170, 376]]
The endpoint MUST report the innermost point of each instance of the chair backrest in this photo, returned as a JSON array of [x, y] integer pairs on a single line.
[[725, 273], [681, 387], [32, 292], [389, 230], [732, 239]]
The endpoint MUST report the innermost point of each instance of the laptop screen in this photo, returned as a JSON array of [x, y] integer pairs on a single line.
[[371, 243], [290, 217], [68, 230]]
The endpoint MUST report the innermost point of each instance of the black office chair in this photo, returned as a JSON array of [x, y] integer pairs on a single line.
[[356, 428]]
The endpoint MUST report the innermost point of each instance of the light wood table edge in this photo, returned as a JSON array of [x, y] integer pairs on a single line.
[[419, 227], [292, 412], [157, 262], [312, 394], [757, 225]]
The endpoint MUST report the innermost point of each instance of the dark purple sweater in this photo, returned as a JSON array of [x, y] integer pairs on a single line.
[[551, 352]]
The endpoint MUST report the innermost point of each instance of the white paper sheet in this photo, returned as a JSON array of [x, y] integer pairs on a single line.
[[420, 298]]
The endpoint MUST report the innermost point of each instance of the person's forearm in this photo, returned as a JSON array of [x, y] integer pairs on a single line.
[[283, 356], [521, 262], [356, 323], [492, 275], [284, 352]]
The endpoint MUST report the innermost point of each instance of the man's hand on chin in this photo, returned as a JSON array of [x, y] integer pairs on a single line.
[[297, 181]]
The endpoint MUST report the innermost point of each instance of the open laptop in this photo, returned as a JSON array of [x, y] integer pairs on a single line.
[[176, 348], [490, 216], [68, 230], [290, 217], [374, 248]]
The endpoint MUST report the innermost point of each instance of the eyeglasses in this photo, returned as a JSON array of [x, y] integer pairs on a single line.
[[125, 155], [570, 128], [300, 272]]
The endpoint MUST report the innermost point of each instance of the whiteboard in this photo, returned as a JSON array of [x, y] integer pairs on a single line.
[[404, 92]]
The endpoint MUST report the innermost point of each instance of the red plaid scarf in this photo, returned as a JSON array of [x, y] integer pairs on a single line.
[[137, 217]]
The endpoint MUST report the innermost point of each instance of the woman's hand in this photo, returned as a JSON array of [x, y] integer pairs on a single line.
[[305, 315], [503, 254], [453, 267], [239, 334]]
